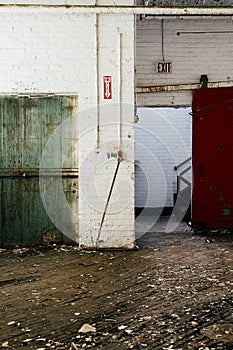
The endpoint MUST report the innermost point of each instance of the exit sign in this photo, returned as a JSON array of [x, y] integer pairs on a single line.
[[164, 67]]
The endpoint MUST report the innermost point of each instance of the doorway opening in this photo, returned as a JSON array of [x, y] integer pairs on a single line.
[[163, 168]]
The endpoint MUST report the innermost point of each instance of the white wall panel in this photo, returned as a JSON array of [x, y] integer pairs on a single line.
[[163, 140]]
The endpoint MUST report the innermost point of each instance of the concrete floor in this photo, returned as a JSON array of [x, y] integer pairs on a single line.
[[174, 292], [164, 224]]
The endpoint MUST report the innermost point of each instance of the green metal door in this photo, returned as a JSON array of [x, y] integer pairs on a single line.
[[26, 123]]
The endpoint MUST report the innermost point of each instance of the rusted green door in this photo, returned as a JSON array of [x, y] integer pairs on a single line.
[[26, 123]]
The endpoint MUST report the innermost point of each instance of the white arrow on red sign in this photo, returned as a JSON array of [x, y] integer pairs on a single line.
[[107, 87]]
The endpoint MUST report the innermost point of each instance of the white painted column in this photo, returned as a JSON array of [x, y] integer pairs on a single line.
[[106, 139]]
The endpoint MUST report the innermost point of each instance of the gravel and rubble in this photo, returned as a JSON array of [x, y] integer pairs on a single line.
[[175, 292]]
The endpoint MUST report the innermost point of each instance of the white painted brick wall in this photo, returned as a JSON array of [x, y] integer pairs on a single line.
[[191, 54], [49, 2], [115, 2], [46, 50], [57, 50], [115, 58], [163, 140], [67, 3]]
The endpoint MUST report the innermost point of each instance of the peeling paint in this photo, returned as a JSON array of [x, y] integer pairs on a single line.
[[180, 87], [25, 125], [226, 212], [111, 155]]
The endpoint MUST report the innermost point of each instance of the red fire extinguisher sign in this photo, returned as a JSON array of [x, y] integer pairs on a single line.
[[107, 87]]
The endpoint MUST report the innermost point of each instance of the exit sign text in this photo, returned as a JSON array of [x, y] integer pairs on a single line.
[[163, 67]]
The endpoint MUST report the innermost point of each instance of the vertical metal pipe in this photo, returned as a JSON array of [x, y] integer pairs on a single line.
[[135, 55], [120, 90], [97, 84], [162, 30]]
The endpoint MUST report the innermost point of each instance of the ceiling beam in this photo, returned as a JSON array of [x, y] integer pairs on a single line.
[[136, 10]]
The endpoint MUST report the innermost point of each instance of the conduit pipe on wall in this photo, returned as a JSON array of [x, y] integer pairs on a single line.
[[97, 84], [120, 92], [207, 32], [160, 88]]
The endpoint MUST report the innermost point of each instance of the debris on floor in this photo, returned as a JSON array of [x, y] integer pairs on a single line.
[[176, 292]]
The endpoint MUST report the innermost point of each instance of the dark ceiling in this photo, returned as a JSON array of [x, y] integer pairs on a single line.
[[186, 2]]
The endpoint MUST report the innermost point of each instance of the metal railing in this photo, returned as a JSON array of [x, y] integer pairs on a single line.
[[183, 195]]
